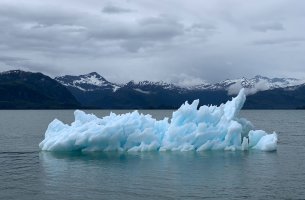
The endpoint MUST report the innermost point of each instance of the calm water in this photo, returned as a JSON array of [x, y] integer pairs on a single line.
[[26, 173]]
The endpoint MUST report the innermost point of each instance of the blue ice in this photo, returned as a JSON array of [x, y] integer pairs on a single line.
[[189, 129]]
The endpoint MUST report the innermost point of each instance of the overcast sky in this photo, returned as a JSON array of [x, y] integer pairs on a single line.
[[183, 41]]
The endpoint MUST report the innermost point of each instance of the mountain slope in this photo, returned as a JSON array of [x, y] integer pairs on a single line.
[[23, 90], [87, 82], [278, 98]]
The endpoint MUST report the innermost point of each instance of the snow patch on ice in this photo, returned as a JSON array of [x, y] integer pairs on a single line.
[[189, 129]]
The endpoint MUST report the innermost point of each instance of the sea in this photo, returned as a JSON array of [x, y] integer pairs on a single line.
[[28, 173]]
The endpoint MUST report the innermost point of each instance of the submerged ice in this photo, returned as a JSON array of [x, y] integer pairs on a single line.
[[190, 128]]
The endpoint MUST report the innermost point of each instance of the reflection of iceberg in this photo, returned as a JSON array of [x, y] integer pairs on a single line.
[[206, 128]]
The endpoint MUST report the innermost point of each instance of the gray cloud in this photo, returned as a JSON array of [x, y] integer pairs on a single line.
[[185, 80], [143, 33], [39, 15], [154, 40], [111, 9], [262, 85], [200, 26], [146, 29], [270, 26], [8, 59], [26, 64], [278, 41]]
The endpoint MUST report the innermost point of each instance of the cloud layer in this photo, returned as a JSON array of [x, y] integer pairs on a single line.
[[123, 40]]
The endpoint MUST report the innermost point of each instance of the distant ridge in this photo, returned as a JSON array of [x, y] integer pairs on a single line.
[[27, 90], [93, 90], [94, 81]]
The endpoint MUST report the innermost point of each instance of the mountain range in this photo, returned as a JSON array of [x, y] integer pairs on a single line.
[[22, 90], [93, 90]]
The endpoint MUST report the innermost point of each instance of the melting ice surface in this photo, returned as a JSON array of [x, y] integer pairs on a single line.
[[190, 128]]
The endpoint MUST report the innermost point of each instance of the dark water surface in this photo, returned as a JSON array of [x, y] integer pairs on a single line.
[[27, 173]]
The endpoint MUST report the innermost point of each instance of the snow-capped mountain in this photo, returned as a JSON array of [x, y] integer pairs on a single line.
[[87, 82], [252, 85], [270, 83], [93, 81], [94, 91], [150, 86]]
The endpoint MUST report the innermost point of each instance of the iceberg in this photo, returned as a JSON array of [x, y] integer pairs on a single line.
[[189, 129]]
